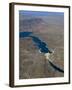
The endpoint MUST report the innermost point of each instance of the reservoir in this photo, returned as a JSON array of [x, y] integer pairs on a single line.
[[39, 43]]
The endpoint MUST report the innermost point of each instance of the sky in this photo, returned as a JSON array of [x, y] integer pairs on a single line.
[[40, 13]]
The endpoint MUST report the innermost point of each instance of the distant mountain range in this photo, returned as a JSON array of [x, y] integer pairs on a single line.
[[31, 21], [29, 24]]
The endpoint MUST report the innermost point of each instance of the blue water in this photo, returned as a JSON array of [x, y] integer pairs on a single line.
[[39, 43], [24, 34]]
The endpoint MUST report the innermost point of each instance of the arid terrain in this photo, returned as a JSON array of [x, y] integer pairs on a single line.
[[49, 29]]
